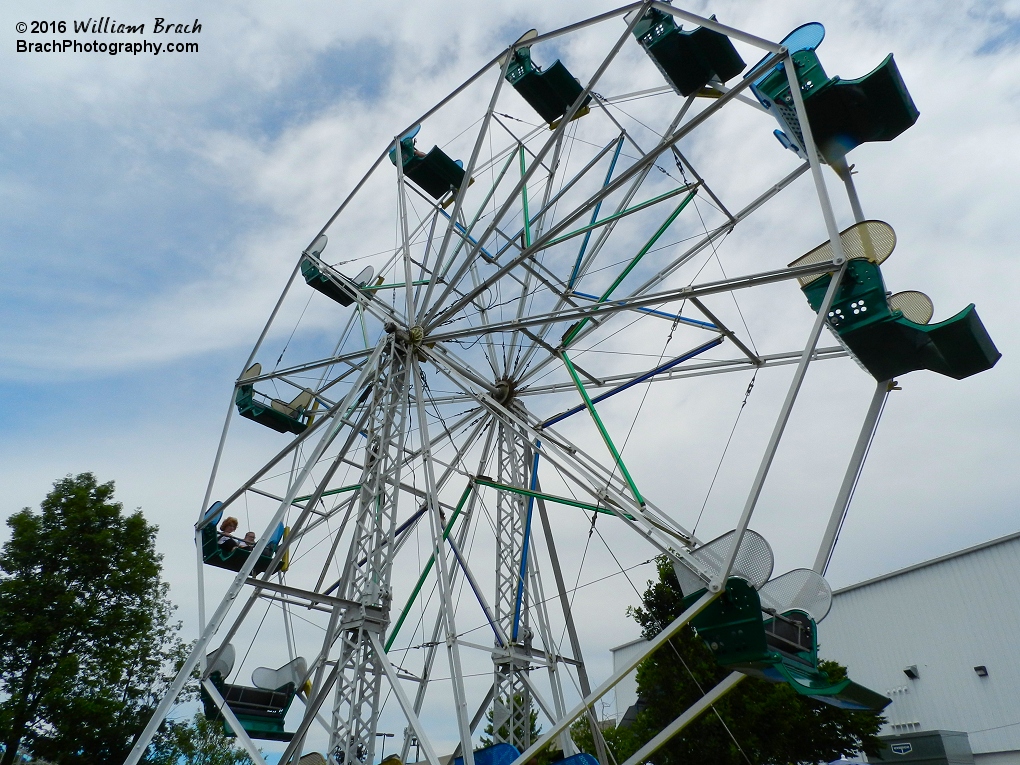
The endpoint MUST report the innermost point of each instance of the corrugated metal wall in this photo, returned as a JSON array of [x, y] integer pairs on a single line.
[[945, 618]]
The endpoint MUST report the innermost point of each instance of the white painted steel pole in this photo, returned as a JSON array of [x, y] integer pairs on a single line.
[[699, 706], [853, 473], [403, 701], [853, 470], [839, 256], [443, 574]]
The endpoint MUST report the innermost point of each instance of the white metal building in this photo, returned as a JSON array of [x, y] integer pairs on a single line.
[[942, 639], [626, 689]]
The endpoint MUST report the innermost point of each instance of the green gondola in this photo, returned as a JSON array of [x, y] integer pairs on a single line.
[[550, 92], [890, 335], [261, 710], [281, 416], [843, 113], [434, 173], [234, 559], [688, 60], [328, 281], [333, 285], [782, 648]]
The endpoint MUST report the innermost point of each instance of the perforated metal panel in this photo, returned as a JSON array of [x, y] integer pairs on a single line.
[[754, 559], [802, 589], [914, 305], [872, 240]]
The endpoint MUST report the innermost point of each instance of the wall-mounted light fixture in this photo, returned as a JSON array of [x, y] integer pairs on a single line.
[[912, 672], [982, 670]]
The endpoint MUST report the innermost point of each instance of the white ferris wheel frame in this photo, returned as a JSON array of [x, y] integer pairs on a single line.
[[404, 350]]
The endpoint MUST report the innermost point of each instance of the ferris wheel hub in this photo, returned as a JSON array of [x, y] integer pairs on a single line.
[[504, 390]]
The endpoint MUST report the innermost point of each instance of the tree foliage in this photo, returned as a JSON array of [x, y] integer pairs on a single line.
[[551, 754], [504, 729], [770, 722], [87, 638], [196, 742]]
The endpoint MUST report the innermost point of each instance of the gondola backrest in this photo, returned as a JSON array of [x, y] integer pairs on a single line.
[[222, 664], [294, 672]]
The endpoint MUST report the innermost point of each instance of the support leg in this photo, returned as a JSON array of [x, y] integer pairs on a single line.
[[853, 473], [651, 647], [705, 702]]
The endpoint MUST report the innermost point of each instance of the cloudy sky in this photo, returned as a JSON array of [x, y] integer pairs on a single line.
[[153, 206]]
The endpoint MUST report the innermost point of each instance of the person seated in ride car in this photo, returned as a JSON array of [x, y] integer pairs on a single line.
[[249, 541], [226, 541]]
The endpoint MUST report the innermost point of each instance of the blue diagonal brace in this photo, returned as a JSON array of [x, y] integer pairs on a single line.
[[595, 214], [639, 379], [674, 316], [527, 544]]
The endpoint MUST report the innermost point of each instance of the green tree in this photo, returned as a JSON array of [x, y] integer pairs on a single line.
[[87, 641], [504, 729], [618, 740], [197, 742], [770, 722], [549, 755]]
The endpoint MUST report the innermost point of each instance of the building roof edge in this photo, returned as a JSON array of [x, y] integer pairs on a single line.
[[628, 645], [932, 562]]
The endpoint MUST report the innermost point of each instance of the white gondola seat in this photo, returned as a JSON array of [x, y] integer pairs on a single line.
[[777, 647], [333, 284], [890, 335]]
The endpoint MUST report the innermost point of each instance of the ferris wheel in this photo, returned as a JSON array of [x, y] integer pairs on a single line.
[[441, 402]]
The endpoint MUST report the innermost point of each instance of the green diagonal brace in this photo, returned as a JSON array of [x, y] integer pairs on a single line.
[[372, 287], [615, 216], [572, 333], [329, 493], [482, 481], [425, 571], [602, 429]]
